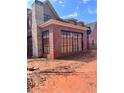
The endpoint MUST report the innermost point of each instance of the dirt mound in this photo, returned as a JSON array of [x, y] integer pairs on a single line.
[[35, 79]]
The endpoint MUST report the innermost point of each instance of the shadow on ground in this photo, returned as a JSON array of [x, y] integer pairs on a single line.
[[86, 56]]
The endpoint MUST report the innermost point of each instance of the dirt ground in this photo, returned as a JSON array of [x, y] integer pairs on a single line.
[[75, 74]]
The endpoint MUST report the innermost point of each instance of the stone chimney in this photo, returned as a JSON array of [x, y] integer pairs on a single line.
[[37, 18]]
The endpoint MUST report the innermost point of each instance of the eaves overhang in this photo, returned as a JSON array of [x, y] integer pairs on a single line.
[[64, 24]]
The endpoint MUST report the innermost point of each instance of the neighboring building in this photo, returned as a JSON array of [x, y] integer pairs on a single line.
[[93, 35], [51, 36], [29, 34]]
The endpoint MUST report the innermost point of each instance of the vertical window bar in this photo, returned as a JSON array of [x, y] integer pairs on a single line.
[[71, 41]]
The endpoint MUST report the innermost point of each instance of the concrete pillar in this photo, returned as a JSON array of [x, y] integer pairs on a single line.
[[51, 44], [57, 41]]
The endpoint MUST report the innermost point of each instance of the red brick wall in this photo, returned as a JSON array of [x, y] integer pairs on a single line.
[[55, 40]]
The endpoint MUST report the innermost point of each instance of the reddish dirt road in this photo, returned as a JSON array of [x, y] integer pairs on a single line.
[[69, 75]]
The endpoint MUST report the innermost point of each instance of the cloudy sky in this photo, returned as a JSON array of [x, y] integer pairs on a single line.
[[83, 10]]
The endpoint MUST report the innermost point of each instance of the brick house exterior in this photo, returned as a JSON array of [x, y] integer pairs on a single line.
[[51, 36]]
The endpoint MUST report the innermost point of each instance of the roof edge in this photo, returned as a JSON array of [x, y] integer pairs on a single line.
[[60, 23]]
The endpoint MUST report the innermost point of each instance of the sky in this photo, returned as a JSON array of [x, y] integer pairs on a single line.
[[82, 10]]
